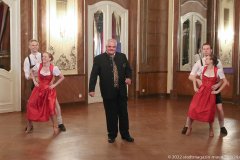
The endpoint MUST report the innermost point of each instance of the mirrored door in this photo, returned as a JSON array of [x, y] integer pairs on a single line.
[[105, 20], [193, 35]]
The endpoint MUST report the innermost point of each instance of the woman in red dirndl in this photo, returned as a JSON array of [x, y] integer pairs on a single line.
[[203, 105], [41, 104]]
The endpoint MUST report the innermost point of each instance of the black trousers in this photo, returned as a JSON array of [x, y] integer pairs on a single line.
[[32, 86], [116, 112]]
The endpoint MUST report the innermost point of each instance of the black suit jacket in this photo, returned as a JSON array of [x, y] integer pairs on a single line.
[[103, 68]]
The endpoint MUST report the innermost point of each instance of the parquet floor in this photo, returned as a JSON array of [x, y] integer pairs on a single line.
[[155, 123]]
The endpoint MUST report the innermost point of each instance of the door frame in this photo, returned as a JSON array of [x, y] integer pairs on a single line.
[[12, 78]]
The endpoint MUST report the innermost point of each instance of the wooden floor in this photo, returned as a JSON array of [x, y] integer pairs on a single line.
[[155, 123]]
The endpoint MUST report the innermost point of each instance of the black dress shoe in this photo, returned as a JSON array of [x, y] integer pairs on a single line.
[[223, 130], [62, 127], [129, 139], [184, 130], [111, 140]]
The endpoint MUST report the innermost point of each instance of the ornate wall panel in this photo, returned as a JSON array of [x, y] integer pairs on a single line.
[[226, 31], [61, 30]]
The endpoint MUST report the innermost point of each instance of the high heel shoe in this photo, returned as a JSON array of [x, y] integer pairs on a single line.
[[211, 133], [189, 131], [29, 129]]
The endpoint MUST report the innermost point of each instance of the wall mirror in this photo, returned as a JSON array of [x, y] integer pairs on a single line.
[[4, 36], [98, 33]]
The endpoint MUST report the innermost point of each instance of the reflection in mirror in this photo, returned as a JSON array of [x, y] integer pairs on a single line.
[[116, 29], [185, 42], [198, 27], [4, 36], [98, 33]]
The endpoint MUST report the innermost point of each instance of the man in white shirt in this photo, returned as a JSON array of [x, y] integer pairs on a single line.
[[206, 50], [29, 62]]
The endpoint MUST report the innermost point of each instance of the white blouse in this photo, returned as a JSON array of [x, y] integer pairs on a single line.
[[220, 73], [56, 71], [196, 67]]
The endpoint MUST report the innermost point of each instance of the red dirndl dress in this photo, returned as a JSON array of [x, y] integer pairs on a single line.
[[203, 104], [41, 104]]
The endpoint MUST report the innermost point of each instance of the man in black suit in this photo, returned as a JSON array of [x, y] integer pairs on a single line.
[[114, 72]]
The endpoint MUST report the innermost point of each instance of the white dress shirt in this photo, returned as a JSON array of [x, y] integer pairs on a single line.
[[56, 71], [34, 58]]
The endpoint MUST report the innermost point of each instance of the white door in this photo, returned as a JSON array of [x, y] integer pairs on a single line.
[[193, 35], [10, 73], [105, 20]]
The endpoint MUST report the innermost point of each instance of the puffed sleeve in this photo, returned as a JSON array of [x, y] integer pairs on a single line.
[[219, 65], [56, 71], [220, 73]]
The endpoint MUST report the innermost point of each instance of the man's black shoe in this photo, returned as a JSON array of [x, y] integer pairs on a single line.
[[62, 127], [184, 130], [129, 139], [111, 140], [223, 130]]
